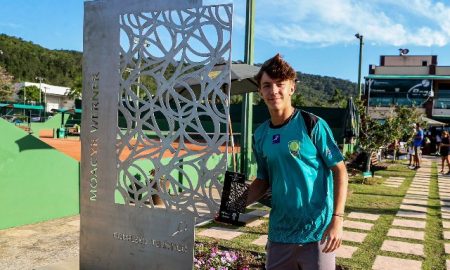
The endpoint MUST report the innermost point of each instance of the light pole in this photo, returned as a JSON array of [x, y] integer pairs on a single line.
[[45, 102], [40, 79], [361, 43], [247, 102]]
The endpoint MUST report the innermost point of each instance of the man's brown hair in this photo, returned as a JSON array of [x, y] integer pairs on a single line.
[[276, 68]]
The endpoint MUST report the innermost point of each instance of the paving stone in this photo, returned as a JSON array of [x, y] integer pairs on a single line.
[[261, 241], [358, 225], [447, 248], [389, 263], [446, 224], [366, 216], [415, 202], [396, 177], [421, 182], [402, 247], [418, 186], [445, 215], [394, 181], [409, 223], [345, 251], [417, 192], [414, 208], [418, 197], [247, 217], [411, 214], [391, 185], [445, 209], [260, 213], [447, 264], [408, 234], [354, 236], [221, 233], [255, 223], [447, 235], [378, 176], [420, 189]]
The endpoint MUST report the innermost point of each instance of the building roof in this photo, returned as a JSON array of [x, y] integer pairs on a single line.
[[47, 88], [428, 77]]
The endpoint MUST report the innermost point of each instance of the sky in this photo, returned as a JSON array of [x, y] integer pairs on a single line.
[[316, 37]]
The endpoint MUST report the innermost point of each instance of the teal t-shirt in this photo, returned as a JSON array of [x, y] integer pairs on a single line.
[[299, 176]]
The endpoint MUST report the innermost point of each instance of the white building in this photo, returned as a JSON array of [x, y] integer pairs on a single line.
[[55, 97]]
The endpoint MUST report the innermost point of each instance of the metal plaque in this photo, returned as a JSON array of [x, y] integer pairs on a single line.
[[152, 157]]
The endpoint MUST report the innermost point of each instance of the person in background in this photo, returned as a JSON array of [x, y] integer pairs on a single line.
[[444, 149], [438, 143], [418, 140], [307, 177], [411, 154]]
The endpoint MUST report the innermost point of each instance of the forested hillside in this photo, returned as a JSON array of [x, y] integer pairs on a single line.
[[25, 61]]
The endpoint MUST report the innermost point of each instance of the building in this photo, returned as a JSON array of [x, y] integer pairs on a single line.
[[54, 97], [409, 80]]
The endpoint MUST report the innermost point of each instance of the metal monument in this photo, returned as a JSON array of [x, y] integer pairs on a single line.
[[152, 158]]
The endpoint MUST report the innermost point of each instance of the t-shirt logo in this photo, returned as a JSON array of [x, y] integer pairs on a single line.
[[294, 147], [276, 138]]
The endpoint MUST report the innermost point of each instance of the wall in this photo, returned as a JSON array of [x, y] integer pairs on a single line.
[[37, 182]]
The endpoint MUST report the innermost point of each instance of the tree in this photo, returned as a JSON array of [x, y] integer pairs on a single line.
[[338, 99], [400, 126], [76, 88], [376, 133], [32, 93], [372, 134], [6, 86]]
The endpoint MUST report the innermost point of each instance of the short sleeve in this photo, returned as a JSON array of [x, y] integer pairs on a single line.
[[325, 144], [261, 171]]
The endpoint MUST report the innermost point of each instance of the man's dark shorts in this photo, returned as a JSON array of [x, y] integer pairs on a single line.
[[299, 257]]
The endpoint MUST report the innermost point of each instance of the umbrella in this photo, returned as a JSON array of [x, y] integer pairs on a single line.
[[63, 112], [351, 122], [242, 80], [432, 123]]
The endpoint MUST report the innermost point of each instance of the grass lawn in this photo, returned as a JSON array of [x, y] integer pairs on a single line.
[[375, 198]]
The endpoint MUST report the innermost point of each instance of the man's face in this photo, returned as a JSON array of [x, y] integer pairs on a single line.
[[276, 93]]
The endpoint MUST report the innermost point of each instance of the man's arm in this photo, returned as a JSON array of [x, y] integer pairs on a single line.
[[333, 234], [256, 190]]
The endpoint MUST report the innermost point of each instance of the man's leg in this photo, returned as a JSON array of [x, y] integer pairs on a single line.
[[416, 156], [311, 257]]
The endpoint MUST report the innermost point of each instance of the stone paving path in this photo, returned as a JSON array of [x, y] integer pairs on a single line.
[[444, 197], [409, 224]]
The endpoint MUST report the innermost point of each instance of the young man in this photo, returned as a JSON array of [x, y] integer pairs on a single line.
[[418, 138], [307, 177]]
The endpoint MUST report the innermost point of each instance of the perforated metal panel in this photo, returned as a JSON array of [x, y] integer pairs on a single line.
[[140, 114]]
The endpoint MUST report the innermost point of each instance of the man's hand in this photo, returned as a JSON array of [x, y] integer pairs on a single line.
[[333, 235]]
